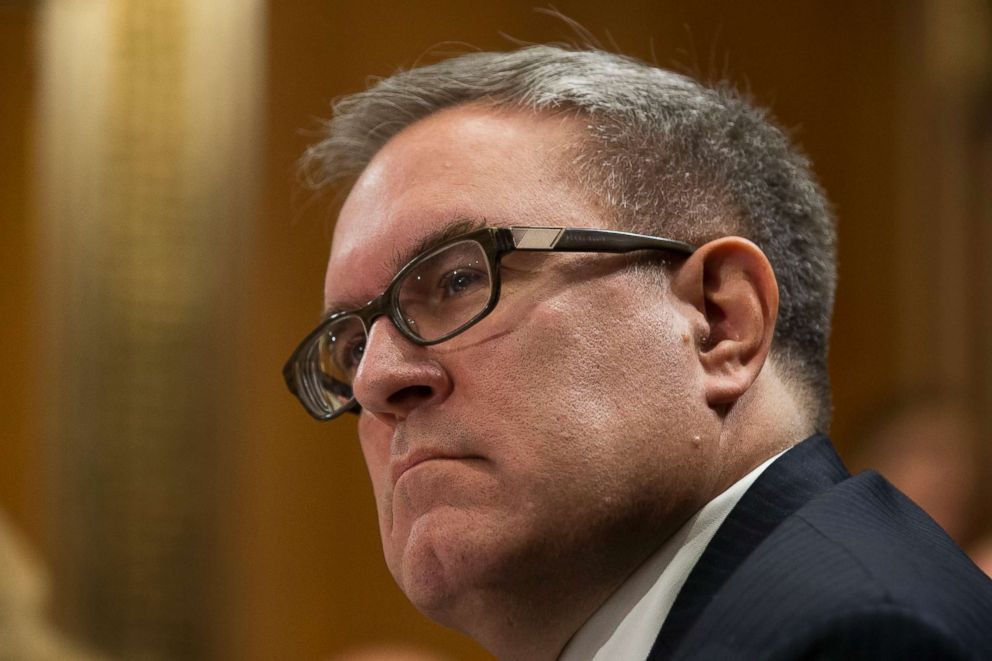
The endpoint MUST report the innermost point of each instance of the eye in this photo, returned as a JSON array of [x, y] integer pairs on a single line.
[[460, 281], [351, 353], [345, 351]]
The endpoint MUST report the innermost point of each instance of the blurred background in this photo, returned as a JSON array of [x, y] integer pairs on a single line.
[[163, 497]]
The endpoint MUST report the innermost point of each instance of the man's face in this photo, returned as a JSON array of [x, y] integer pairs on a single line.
[[557, 434]]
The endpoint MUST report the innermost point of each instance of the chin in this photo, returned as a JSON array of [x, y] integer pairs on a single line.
[[446, 559]]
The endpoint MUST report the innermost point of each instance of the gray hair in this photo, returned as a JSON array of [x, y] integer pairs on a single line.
[[666, 155]]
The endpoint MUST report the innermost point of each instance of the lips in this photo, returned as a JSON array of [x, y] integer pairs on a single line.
[[413, 459], [418, 457]]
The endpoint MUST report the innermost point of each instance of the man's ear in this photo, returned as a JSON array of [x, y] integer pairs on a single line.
[[731, 286]]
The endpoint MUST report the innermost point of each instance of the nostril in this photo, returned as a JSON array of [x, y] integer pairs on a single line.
[[411, 394]]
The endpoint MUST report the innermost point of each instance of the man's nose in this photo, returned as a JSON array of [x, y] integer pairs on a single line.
[[396, 376]]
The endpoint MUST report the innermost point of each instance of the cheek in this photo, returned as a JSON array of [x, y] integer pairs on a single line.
[[583, 363], [578, 390], [374, 440]]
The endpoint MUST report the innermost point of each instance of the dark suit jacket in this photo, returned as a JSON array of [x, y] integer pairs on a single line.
[[813, 563]]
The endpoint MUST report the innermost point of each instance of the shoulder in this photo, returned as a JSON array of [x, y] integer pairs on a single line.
[[859, 567], [865, 537], [875, 632]]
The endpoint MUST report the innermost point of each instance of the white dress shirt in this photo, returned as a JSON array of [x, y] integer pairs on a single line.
[[627, 624]]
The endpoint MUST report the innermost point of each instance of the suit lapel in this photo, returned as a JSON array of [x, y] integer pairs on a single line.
[[806, 470]]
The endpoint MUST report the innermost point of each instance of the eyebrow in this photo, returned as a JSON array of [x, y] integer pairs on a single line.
[[433, 240], [428, 242]]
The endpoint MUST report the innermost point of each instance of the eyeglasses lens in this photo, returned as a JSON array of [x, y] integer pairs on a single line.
[[338, 352], [446, 291]]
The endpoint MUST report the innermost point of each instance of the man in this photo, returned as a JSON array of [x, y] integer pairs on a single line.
[[581, 306]]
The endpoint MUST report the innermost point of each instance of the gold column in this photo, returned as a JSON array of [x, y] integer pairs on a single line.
[[149, 122]]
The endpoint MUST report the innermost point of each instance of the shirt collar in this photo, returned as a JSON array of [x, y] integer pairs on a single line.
[[627, 623]]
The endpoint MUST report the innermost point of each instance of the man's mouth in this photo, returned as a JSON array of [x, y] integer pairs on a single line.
[[419, 457]]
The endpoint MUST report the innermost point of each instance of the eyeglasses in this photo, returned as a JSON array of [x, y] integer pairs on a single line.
[[440, 293]]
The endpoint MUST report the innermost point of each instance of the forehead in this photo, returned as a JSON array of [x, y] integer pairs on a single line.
[[466, 163]]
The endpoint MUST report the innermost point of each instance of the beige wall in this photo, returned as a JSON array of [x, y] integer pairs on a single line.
[[300, 572]]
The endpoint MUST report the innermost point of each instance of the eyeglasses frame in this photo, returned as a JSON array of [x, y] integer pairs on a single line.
[[495, 242]]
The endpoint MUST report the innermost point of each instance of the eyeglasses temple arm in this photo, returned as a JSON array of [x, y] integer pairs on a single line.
[[591, 240]]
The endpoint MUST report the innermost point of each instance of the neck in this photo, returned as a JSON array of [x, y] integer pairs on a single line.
[[768, 419], [538, 626], [535, 619]]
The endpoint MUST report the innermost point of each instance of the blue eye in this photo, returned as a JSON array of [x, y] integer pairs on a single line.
[[346, 347], [460, 281], [353, 353]]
